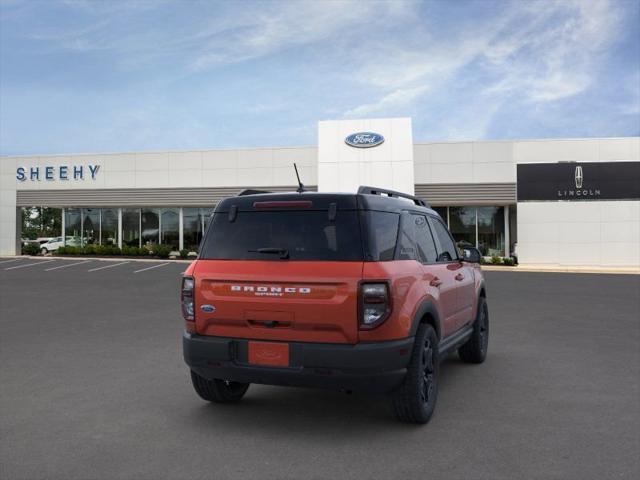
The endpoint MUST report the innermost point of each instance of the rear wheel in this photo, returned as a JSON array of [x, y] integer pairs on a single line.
[[475, 350], [219, 391], [415, 400]]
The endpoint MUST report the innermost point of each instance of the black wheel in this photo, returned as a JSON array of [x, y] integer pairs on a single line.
[[44, 251], [415, 400], [219, 391], [475, 350]]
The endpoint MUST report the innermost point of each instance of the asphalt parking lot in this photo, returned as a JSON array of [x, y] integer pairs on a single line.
[[93, 386]]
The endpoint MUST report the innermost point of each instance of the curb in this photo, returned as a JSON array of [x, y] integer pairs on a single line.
[[559, 269]]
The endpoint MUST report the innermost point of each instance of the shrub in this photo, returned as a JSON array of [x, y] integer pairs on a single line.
[[31, 249], [89, 250], [482, 260], [509, 261], [162, 251], [496, 260], [144, 251], [113, 250], [184, 253]]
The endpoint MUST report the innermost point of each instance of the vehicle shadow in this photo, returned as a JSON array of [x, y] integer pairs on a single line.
[[321, 413]]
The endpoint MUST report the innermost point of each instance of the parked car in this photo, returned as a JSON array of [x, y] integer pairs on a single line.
[[361, 291], [57, 242]]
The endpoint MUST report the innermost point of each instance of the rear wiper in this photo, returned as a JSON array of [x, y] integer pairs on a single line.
[[283, 252]]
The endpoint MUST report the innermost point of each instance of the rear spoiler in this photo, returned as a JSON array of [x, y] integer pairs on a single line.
[[364, 190]]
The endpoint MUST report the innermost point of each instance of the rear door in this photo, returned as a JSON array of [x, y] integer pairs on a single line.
[[454, 270], [280, 274], [438, 278]]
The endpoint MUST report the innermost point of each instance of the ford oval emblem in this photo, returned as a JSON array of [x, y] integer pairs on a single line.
[[364, 139], [208, 308]]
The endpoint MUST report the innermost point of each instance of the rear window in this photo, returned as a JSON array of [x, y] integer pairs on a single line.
[[265, 235]]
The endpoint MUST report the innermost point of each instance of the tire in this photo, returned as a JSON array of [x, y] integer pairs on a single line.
[[44, 251], [415, 400], [218, 391], [475, 349]]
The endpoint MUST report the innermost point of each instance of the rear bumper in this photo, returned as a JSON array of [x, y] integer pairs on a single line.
[[374, 367]]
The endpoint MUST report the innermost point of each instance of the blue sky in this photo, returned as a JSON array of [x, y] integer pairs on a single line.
[[104, 76]]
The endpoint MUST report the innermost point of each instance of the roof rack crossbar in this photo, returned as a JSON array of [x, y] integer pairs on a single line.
[[391, 193], [251, 191]]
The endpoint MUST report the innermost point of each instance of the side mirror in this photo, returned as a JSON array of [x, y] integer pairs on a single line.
[[471, 255]]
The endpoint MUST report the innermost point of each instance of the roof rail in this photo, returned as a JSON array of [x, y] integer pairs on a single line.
[[251, 191], [391, 193]]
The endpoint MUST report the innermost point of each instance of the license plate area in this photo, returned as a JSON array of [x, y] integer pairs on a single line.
[[269, 354]]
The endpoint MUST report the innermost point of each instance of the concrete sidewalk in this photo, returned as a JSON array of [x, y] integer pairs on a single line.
[[561, 269]]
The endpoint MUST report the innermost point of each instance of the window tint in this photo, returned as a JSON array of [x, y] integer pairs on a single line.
[[382, 234], [424, 240], [446, 249], [304, 235]]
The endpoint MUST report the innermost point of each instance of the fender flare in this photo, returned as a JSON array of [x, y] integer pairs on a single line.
[[426, 307]]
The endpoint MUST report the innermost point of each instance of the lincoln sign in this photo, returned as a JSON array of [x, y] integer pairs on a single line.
[[576, 181]]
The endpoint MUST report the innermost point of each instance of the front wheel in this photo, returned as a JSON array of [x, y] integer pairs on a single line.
[[475, 349], [415, 400], [218, 391], [44, 251]]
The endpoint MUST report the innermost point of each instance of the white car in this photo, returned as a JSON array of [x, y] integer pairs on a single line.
[[57, 242]]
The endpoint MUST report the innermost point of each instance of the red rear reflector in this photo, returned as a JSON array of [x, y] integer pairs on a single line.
[[284, 204]]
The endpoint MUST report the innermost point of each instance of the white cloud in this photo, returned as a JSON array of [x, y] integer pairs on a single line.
[[257, 33], [396, 99], [534, 51]]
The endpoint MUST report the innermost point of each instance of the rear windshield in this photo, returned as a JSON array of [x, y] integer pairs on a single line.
[[277, 235]]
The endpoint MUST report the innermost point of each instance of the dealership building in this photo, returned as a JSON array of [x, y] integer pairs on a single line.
[[560, 202]]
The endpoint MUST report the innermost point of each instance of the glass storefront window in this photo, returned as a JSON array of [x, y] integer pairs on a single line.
[[131, 227], [150, 226], [90, 226], [109, 226], [192, 227], [170, 227], [442, 211], [491, 230], [462, 224], [207, 215], [72, 227]]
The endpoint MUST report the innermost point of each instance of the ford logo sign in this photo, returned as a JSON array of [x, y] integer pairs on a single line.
[[364, 139], [208, 308]]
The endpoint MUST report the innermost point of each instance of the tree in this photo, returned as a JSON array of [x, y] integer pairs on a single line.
[[41, 222]]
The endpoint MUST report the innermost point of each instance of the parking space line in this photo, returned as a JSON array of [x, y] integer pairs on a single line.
[[108, 266], [30, 264], [9, 261], [65, 266], [149, 268]]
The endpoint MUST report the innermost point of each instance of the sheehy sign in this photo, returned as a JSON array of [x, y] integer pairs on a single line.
[[576, 181], [60, 172]]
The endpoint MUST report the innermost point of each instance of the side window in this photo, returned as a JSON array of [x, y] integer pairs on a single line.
[[382, 235], [446, 249], [424, 240]]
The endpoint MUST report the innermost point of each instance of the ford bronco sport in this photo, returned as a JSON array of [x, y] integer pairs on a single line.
[[361, 291]]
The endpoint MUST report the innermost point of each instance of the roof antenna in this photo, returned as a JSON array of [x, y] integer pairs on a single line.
[[300, 185]]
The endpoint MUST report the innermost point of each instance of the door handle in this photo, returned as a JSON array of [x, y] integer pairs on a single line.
[[459, 277], [435, 282]]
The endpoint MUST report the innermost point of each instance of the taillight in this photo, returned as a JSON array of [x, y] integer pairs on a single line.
[[375, 304], [186, 298]]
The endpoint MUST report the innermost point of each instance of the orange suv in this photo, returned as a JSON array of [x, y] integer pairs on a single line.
[[354, 292]]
